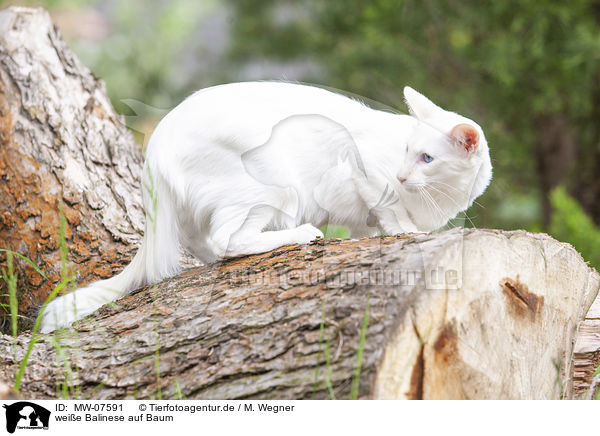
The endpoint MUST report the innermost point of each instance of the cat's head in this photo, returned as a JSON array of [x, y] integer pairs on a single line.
[[447, 157]]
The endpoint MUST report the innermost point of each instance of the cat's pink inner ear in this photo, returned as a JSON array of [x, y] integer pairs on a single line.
[[466, 136]]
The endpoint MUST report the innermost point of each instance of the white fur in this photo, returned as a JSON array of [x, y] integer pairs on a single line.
[[248, 167]]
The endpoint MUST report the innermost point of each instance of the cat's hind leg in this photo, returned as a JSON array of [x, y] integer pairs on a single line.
[[241, 235]]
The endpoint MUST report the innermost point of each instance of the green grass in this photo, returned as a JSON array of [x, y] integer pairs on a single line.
[[321, 333], [178, 393], [328, 371], [596, 395], [157, 347], [359, 356], [327, 358], [331, 231], [35, 267], [34, 331], [66, 387], [151, 190], [10, 278]]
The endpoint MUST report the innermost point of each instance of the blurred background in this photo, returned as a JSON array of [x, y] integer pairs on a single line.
[[527, 71]]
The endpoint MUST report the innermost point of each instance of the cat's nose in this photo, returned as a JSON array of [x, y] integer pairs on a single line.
[[401, 179]]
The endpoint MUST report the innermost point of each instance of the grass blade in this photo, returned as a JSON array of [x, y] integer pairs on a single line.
[[11, 280], [328, 371], [36, 327], [178, 393], [359, 356], [30, 262], [321, 332]]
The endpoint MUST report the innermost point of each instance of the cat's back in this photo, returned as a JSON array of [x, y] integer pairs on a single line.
[[213, 127], [250, 110], [275, 97]]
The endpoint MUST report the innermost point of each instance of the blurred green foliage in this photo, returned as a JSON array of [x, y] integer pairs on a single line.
[[501, 63], [512, 66], [141, 57], [331, 231], [144, 48], [571, 224]]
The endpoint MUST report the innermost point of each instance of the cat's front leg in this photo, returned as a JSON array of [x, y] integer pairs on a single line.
[[240, 236], [385, 208], [255, 241], [394, 221]]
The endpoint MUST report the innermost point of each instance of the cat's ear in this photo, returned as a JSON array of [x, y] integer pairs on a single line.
[[466, 136], [419, 105]]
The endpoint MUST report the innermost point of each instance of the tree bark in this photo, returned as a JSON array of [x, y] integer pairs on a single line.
[[61, 142], [461, 314]]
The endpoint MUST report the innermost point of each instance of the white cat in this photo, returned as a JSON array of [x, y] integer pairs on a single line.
[[245, 168]]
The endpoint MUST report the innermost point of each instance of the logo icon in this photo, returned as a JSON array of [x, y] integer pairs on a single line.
[[26, 415]]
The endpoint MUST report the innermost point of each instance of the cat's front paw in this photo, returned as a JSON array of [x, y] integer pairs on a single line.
[[306, 233], [400, 229]]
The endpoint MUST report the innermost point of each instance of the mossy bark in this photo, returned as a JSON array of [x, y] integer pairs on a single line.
[[61, 143]]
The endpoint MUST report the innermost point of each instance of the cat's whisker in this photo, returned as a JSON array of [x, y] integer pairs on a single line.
[[432, 202], [454, 201], [425, 199], [451, 199], [436, 205], [433, 182]]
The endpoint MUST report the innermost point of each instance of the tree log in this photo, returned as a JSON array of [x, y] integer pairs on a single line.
[[61, 142], [586, 356], [461, 314]]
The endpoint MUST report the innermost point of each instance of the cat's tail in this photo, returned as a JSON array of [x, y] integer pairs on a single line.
[[156, 259]]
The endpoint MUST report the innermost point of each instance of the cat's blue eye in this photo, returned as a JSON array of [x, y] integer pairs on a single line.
[[426, 158]]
